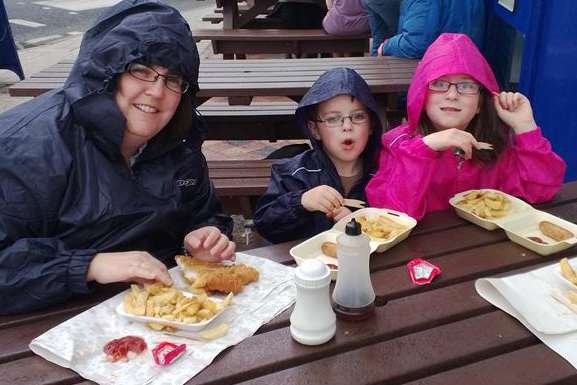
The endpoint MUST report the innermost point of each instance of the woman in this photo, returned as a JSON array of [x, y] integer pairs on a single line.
[[104, 176]]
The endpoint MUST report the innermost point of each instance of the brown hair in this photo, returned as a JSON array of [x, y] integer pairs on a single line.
[[486, 126]]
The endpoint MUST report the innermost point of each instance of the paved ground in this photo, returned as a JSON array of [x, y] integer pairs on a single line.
[[35, 59]]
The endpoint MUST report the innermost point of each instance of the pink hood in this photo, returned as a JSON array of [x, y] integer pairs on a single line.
[[450, 54]]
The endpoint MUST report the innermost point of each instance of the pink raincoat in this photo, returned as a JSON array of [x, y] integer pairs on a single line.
[[415, 179]]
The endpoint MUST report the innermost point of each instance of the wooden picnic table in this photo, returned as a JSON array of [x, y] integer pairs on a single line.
[[438, 334], [259, 77], [233, 19]]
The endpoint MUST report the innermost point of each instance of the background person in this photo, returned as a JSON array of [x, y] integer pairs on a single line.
[[104, 176], [422, 21], [345, 17], [383, 18], [454, 104]]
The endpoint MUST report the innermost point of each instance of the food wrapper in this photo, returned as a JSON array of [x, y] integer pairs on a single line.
[[77, 343], [421, 271]]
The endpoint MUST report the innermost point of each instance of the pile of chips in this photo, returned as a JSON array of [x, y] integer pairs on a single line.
[[486, 204], [168, 303], [380, 226]]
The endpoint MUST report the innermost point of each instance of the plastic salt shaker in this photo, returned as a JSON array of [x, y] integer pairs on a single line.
[[313, 319]]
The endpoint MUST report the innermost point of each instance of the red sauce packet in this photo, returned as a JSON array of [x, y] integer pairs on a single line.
[[166, 353], [421, 271]]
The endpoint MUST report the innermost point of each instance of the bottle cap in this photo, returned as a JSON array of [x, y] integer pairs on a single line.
[[353, 228], [312, 273]]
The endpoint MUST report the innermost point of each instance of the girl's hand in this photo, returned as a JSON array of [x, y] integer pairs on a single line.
[[209, 244], [322, 198], [127, 266], [451, 138], [515, 110]]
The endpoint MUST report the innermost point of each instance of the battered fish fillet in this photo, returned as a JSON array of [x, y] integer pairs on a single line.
[[215, 276]]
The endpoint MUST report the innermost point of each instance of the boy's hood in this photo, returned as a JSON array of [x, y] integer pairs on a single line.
[[334, 82], [131, 30], [451, 53]]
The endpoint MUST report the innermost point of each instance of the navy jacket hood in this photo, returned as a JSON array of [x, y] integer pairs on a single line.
[[122, 35]]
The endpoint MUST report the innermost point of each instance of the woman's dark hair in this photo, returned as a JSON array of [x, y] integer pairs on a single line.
[[486, 126]]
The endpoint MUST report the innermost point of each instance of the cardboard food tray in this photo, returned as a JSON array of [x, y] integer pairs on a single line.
[[521, 223], [517, 206], [191, 327], [311, 248]]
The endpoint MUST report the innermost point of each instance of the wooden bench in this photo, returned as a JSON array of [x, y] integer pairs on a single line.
[[239, 183], [271, 121], [280, 41]]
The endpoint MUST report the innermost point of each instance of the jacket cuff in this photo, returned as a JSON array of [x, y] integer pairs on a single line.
[[78, 269], [530, 138], [295, 204]]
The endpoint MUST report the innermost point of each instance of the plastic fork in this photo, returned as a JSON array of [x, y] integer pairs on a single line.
[[354, 203]]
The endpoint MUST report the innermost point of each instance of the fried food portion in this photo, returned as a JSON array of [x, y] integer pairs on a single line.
[[170, 304], [554, 231], [485, 204], [329, 249], [215, 276], [380, 226], [567, 271]]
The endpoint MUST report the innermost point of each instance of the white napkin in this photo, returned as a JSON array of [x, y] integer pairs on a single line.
[[528, 297], [77, 343]]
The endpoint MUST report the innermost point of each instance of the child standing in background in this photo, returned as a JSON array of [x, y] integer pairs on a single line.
[[454, 109], [305, 194]]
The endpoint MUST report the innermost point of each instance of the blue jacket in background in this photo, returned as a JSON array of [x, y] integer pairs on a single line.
[[67, 193], [279, 215], [422, 21]]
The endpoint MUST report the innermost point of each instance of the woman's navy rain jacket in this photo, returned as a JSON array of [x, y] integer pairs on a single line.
[[280, 216], [67, 194]]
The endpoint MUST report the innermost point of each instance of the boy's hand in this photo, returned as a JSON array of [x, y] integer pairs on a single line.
[[339, 213], [209, 244], [451, 138], [515, 110], [322, 198]]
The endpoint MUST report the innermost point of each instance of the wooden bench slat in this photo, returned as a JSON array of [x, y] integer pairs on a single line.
[[271, 34]]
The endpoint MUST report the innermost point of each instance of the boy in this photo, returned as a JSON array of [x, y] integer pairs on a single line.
[[305, 194]]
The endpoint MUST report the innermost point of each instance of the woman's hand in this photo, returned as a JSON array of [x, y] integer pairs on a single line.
[[128, 266], [451, 138], [515, 110], [322, 198], [209, 244]]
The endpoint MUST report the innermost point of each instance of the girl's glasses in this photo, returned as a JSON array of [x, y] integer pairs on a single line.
[[463, 88], [338, 120], [174, 83]]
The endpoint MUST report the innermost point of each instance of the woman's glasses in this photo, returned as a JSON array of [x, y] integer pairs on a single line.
[[174, 83], [337, 120], [463, 88]]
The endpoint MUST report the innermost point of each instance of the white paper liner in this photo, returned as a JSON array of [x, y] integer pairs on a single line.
[[77, 343], [529, 298]]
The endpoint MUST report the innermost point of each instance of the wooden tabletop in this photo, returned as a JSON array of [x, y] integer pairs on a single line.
[[259, 77], [438, 334]]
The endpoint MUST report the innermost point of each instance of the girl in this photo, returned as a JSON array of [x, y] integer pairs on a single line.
[[462, 135]]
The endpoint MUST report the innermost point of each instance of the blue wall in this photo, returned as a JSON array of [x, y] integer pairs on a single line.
[[548, 65]]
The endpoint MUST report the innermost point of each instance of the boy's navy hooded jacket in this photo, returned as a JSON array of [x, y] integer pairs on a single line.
[[280, 216], [66, 192]]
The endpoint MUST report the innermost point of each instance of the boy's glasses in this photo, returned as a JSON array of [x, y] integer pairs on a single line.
[[174, 83], [338, 120], [463, 88]]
